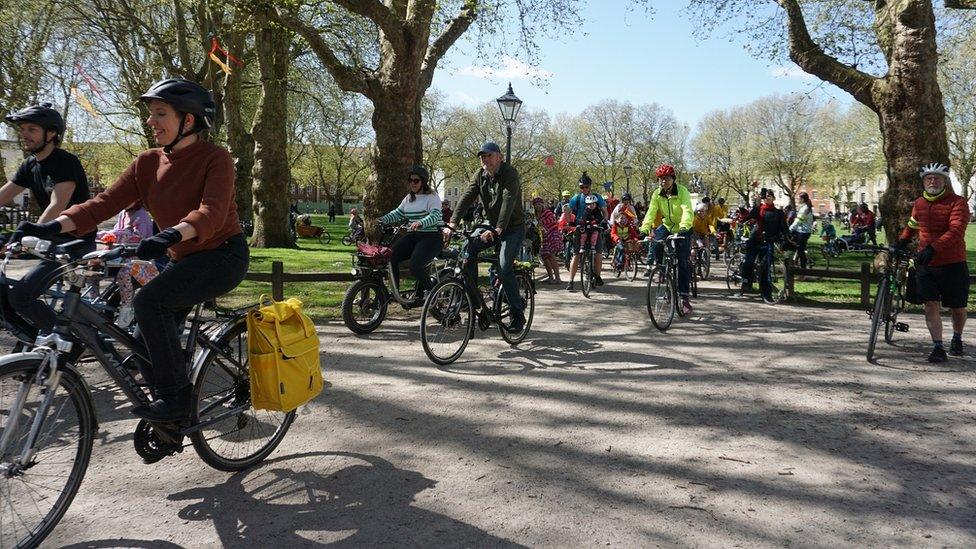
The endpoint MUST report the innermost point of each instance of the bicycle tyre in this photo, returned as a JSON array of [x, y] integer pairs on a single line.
[[76, 393], [633, 266], [733, 277], [357, 300], [448, 307], [325, 237], [232, 362], [877, 316], [897, 304], [661, 305], [586, 273], [528, 295], [693, 272], [347, 240], [704, 264]]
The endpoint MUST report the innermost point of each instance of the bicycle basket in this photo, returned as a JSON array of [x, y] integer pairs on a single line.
[[370, 255]]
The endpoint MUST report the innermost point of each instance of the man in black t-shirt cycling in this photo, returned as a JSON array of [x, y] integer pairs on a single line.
[[56, 180]]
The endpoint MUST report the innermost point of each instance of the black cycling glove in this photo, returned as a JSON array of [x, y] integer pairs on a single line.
[[925, 256], [155, 247], [903, 243], [40, 230]]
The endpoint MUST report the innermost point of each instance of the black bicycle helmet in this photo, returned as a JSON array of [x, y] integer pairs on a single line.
[[184, 96], [627, 196], [585, 180], [42, 115]]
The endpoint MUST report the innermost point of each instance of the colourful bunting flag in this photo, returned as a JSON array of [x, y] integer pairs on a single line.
[[84, 102]]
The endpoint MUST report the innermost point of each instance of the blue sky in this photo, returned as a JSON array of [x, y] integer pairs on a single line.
[[627, 55]]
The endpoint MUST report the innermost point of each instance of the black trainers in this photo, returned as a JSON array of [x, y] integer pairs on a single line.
[[570, 287], [168, 407], [598, 280], [955, 347], [518, 322], [938, 354]]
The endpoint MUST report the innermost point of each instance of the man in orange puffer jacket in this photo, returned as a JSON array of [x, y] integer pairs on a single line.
[[939, 217]]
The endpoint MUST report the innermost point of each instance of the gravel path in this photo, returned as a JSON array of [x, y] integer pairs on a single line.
[[745, 425]]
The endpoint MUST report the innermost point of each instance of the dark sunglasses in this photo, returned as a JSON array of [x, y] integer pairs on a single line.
[[415, 180]]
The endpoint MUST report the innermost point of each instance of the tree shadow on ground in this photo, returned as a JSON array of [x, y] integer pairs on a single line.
[[338, 499], [125, 543]]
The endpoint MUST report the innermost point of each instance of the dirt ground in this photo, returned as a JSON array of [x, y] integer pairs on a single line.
[[745, 425]]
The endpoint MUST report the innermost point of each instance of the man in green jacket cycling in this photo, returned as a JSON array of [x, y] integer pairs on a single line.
[[673, 203], [499, 188]]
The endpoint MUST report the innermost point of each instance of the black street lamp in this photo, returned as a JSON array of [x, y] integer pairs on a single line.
[[509, 104], [628, 169]]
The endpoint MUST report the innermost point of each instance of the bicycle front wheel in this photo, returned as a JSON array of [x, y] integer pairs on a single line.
[[733, 277], [238, 436], [36, 491], [661, 304], [881, 304], [896, 304], [632, 265], [364, 306], [325, 237], [704, 264], [586, 272], [446, 322]]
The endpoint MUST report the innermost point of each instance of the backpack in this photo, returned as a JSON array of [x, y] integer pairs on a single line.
[[283, 349]]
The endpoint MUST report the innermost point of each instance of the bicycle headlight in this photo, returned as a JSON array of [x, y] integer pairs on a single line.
[[457, 270], [355, 271]]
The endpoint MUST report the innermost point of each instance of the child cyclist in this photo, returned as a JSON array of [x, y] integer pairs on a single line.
[[623, 233], [592, 216]]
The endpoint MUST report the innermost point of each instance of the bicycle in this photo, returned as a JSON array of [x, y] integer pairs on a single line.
[[662, 287], [47, 416], [354, 236], [304, 229], [733, 266], [366, 301], [890, 299], [587, 261], [629, 265], [454, 305]]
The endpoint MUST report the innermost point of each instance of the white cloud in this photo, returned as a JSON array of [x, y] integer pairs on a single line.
[[511, 69], [791, 71], [465, 98]]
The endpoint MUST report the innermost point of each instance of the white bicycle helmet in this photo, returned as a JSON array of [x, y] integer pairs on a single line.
[[591, 199], [936, 168]]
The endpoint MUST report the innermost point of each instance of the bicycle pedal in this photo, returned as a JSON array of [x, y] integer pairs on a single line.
[[901, 327]]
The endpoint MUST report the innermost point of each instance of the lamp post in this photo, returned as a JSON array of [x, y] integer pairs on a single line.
[[628, 169], [509, 104]]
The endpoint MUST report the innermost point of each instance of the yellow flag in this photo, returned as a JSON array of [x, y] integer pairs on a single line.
[[84, 102], [223, 66]]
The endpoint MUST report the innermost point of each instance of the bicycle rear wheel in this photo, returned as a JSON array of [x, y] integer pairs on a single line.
[[36, 493], [661, 304], [882, 302], [237, 439], [503, 312], [586, 272], [446, 322], [325, 237]]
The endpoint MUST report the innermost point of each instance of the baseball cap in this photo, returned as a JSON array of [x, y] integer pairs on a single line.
[[489, 147]]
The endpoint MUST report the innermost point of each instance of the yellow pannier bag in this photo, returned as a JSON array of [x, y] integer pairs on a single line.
[[283, 349]]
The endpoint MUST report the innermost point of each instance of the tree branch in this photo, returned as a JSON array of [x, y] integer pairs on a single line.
[[961, 4], [375, 11], [447, 38], [812, 59], [348, 78]]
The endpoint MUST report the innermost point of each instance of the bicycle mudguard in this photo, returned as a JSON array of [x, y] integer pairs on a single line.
[[65, 369]]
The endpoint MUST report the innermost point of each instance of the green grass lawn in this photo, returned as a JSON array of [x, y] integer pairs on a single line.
[[323, 299], [848, 292]]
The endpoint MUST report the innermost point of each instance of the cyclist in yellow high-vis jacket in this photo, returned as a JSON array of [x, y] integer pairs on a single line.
[[673, 202]]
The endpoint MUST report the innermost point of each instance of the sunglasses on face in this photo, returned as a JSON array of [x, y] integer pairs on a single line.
[[415, 179]]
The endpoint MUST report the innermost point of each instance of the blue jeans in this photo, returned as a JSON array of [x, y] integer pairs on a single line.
[[509, 244]]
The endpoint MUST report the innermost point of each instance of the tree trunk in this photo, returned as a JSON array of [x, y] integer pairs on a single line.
[[239, 141], [271, 170], [397, 122]]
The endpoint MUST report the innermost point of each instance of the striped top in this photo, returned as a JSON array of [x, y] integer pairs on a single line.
[[426, 209]]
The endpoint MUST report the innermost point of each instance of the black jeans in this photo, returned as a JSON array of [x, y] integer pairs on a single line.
[[801, 247], [24, 293], [421, 248], [162, 305]]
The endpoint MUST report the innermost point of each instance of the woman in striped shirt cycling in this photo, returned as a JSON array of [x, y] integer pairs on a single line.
[[421, 210]]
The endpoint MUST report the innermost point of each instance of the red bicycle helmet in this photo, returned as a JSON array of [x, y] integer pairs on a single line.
[[665, 170]]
